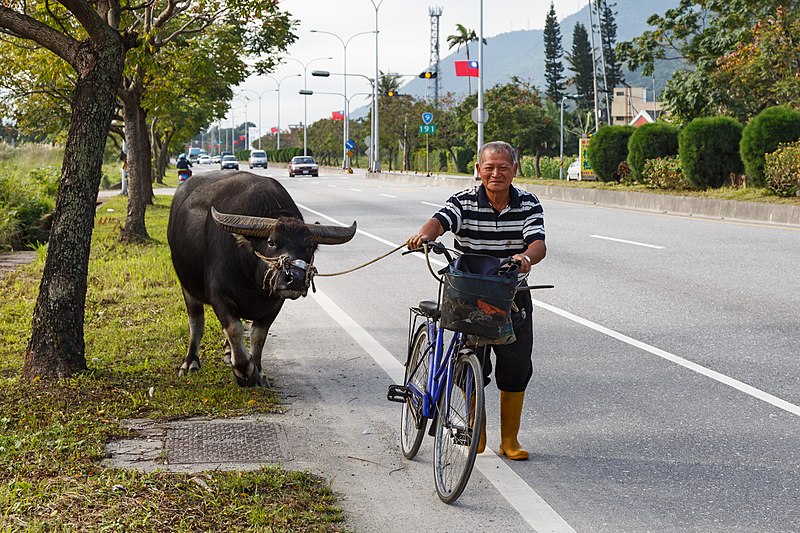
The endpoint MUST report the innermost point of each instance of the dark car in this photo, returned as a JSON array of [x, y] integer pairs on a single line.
[[229, 162], [303, 165]]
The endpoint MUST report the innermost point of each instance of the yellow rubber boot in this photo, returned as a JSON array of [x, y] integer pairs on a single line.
[[510, 413]]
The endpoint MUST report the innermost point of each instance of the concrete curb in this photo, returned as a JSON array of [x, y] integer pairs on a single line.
[[783, 214]]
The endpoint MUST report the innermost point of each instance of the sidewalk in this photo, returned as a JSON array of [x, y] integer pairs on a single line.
[[763, 212]]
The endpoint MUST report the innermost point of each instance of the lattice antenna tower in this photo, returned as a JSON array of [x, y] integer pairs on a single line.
[[435, 12]]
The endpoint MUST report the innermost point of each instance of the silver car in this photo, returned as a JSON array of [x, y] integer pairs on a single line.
[[303, 165]]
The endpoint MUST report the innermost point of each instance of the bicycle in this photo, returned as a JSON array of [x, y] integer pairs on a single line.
[[445, 386]]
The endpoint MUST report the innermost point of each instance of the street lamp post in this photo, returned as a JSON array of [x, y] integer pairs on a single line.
[[278, 83], [259, 95], [561, 153], [375, 152], [346, 125], [305, 99]]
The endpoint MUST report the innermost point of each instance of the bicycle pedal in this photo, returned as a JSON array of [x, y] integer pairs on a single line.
[[397, 393]]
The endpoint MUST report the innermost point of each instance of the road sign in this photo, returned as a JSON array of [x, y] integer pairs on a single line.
[[427, 129], [368, 140], [427, 118], [478, 117], [350, 144]]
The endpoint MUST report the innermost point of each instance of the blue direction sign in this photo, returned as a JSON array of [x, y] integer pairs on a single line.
[[350, 144], [427, 118]]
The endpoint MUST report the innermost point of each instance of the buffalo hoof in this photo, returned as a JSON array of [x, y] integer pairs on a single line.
[[189, 369], [256, 379]]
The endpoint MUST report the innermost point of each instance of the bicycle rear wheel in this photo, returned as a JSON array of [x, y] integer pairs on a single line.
[[412, 423], [458, 428]]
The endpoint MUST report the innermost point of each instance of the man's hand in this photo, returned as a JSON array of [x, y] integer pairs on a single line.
[[416, 241], [524, 262]]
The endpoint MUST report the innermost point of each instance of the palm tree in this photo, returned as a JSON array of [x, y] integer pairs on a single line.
[[463, 37]]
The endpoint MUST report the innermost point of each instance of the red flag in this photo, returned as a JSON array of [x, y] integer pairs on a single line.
[[242, 137], [273, 129], [467, 68], [337, 115]]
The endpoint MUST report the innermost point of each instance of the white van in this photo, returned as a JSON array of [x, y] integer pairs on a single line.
[[258, 158]]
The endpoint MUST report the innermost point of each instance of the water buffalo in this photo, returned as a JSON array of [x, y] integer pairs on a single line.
[[239, 244]]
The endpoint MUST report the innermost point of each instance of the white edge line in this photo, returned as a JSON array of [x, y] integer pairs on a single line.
[[707, 372], [627, 242], [387, 195], [433, 205], [531, 507]]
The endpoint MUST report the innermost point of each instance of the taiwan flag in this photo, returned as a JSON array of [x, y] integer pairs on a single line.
[[467, 68], [273, 130], [337, 115]]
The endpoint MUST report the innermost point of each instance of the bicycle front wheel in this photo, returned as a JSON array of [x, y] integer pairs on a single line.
[[458, 428], [412, 423]]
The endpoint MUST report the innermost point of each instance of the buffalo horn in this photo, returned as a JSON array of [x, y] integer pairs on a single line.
[[243, 224], [331, 234]]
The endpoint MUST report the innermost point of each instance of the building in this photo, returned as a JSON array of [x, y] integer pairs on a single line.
[[630, 106]]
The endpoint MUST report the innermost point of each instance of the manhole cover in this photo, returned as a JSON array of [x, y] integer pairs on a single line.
[[223, 442]]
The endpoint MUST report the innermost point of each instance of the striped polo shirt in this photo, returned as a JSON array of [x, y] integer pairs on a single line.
[[479, 228]]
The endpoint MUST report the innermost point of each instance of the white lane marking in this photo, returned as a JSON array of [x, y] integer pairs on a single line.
[[627, 242], [356, 190], [432, 205], [331, 186], [387, 195], [519, 494], [707, 372]]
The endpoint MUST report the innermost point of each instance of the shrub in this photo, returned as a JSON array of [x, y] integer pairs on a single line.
[[708, 149], [665, 173], [607, 149], [650, 141], [463, 156], [763, 134], [782, 170]]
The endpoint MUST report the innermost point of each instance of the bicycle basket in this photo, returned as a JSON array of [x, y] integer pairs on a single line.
[[475, 298]]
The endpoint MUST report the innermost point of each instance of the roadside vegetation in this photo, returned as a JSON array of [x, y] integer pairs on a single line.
[[53, 433]]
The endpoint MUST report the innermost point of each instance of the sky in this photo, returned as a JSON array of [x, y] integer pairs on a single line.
[[404, 42]]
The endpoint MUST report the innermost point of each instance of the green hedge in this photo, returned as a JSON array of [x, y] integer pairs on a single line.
[[651, 141], [762, 135], [607, 149], [782, 170], [709, 152]]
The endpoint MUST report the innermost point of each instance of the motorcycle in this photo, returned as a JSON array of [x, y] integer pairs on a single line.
[[183, 175]]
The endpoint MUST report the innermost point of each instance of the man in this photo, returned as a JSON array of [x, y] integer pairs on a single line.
[[497, 219]]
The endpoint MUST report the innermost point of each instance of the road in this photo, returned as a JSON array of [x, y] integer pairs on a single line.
[[665, 393]]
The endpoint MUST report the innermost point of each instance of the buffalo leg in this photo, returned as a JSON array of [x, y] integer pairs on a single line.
[[258, 337], [194, 309], [245, 372]]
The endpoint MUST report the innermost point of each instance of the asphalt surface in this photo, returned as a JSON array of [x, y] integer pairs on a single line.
[[665, 393]]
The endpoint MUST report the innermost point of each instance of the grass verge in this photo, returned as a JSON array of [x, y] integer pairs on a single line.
[[53, 433]]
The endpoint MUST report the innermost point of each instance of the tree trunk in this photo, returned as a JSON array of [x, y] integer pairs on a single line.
[[56, 348], [139, 186]]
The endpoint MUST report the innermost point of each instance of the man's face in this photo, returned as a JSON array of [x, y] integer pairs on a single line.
[[496, 171]]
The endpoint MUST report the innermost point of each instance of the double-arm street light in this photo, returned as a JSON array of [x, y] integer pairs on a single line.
[[561, 156], [346, 125], [258, 95], [346, 104], [305, 100], [278, 83]]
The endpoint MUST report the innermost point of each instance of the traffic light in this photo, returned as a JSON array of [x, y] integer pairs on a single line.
[[428, 75]]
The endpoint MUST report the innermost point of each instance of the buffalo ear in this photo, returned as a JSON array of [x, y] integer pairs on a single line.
[[331, 234]]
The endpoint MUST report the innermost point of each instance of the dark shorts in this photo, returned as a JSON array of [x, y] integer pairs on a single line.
[[513, 367]]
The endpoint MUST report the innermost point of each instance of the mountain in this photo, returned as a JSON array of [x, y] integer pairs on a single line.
[[521, 53]]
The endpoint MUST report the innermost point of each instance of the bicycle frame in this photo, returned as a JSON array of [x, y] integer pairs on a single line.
[[440, 372]]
